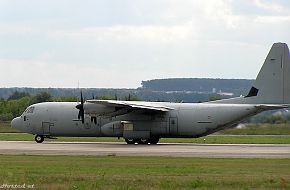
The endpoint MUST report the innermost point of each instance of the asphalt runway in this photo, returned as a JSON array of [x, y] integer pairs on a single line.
[[163, 149]]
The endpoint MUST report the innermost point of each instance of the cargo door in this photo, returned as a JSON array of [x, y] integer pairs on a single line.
[[46, 127], [173, 126]]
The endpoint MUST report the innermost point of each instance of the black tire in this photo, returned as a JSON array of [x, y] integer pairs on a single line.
[[130, 141], [39, 138], [154, 140]]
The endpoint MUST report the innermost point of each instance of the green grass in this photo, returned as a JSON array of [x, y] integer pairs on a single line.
[[5, 127], [109, 172], [219, 139], [259, 129]]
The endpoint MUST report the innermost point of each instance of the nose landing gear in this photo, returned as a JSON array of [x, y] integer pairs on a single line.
[[39, 138]]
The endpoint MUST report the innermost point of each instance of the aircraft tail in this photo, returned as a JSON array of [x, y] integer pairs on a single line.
[[272, 85]]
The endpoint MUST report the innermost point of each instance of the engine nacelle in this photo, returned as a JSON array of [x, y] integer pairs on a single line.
[[115, 129]]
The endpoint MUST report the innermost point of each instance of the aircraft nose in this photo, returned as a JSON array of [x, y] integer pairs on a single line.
[[15, 123]]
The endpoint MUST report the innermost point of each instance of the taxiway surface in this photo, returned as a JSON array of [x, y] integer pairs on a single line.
[[163, 149]]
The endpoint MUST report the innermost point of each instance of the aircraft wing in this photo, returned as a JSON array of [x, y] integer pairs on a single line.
[[123, 107]]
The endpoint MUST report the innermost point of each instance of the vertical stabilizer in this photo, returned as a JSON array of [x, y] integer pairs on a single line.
[[272, 85]]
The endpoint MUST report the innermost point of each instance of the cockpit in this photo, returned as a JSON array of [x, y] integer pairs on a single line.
[[28, 110]]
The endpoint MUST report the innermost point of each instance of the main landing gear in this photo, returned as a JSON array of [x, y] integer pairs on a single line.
[[142, 141], [39, 138]]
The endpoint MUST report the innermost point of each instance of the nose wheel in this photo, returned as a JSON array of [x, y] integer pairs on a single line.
[[39, 138]]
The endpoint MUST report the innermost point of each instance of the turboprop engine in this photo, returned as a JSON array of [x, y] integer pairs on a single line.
[[115, 128]]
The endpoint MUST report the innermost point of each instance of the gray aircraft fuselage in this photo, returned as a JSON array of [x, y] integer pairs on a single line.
[[186, 120]]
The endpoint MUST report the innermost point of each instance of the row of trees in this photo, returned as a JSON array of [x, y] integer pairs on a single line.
[[236, 86], [18, 102]]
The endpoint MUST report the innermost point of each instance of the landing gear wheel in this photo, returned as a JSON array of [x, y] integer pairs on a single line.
[[130, 141], [39, 138], [154, 140]]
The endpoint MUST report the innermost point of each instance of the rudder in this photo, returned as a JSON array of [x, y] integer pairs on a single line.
[[272, 84]]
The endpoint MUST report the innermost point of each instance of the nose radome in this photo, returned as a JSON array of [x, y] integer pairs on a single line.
[[15, 123]]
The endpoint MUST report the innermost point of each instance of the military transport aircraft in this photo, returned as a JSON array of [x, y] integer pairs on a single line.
[[147, 122]]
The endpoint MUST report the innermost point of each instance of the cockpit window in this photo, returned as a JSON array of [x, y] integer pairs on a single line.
[[29, 110]]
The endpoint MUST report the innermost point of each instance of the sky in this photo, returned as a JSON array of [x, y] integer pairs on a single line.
[[120, 43]]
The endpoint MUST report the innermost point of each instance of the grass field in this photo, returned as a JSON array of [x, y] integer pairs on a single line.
[[5, 127], [114, 172], [86, 172], [259, 129]]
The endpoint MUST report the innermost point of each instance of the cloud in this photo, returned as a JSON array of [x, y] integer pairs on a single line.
[[273, 19], [15, 29], [41, 74], [271, 6], [177, 23], [119, 33], [220, 11], [120, 43]]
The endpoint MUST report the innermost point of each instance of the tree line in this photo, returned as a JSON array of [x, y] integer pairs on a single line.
[[236, 86]]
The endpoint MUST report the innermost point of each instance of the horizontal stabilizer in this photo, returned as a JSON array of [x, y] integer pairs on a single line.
[[266, 107]]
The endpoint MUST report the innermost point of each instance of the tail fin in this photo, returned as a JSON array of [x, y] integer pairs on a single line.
[[272, 85]]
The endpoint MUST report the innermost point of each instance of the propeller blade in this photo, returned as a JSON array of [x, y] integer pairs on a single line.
[[80, 107], [83, 116], [79, 115]]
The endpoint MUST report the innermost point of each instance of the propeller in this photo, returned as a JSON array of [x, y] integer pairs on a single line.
[[80, 107]]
